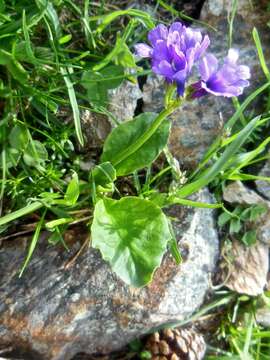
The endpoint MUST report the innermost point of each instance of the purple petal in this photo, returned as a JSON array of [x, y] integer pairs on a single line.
[[160, 32], [161, 52], [228, 74], [241, 83], [232, 57], [198, 91], [177, 26], [180, 79], [179, 59], [244, 72], [143, 50], [163, 68], [202, 48], [197, 35], [219, 88], [190, 57], [173, 38], [189, 38], [208, 66]]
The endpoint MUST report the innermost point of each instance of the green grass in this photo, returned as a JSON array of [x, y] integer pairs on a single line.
[[47, 49], [59, 58], [242, 337]]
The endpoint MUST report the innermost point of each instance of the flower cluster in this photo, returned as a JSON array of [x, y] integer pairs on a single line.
[[175, 50]]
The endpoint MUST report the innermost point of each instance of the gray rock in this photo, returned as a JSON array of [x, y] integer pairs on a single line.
[[263, 316], [56, 312], [246, 270], [237, 193], [96, 127], [263, 186], [123, 100]]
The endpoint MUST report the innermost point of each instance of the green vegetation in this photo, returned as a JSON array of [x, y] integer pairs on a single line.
[[60, 58]]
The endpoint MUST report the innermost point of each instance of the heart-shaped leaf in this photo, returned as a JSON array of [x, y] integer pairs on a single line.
[[129, 132], [132, 235]]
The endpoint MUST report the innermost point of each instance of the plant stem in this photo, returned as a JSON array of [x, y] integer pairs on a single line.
[[21, 212], [148, 133]]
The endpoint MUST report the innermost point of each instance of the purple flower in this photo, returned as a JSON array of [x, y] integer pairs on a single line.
[[227, 81], [173, 52]]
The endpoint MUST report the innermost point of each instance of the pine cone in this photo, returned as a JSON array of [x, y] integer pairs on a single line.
[[176, 344]]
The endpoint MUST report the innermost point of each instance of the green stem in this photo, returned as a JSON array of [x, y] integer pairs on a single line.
[[21, 212], [147, 135]]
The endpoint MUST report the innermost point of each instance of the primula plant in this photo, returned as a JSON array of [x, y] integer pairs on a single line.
[[133, 232]]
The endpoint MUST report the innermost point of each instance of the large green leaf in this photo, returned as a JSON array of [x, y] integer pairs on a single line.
[[126, 134], [132, 235]]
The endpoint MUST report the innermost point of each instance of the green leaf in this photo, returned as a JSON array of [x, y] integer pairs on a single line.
[[103, 175], [249, 238], [112, 76], [14, 67], [96, 91], [222, 163], [12, 157], [223, 219], [132, 235], [258, 44], [253, 212], [127, 133], [143, 16], [235, 226], [73, 190], [33, 243], [50, 225], [18, 137], [51, 15], [28, 209], [257, 211], [97, 83], [73, 101], [125, 57], [35, 154], [173, 245], [65, 39]]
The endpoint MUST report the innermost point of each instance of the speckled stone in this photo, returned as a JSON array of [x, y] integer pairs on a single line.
[[56, 313], [123, 100], [263, 186]]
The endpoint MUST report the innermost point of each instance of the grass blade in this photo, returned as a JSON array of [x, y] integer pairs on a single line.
[[33, 243], [21, 212], [208, 175], [73, 102], [258, 44]]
